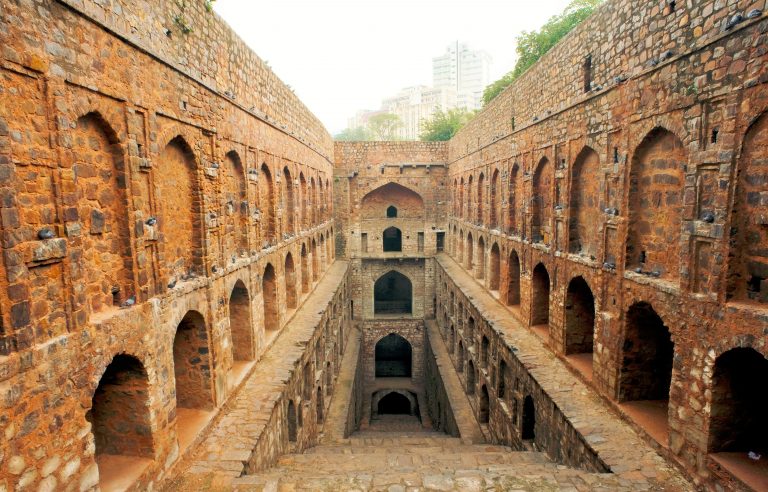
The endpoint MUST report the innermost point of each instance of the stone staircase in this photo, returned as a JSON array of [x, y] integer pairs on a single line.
[[404, 459]]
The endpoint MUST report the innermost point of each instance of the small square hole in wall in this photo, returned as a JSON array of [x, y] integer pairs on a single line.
[[715, 133]]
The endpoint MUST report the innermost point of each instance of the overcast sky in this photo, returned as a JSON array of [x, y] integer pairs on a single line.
[[344, 55]]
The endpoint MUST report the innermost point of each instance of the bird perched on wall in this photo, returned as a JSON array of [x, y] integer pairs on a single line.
[[151, 221], [128, 302], [172, 284], [46, 233]]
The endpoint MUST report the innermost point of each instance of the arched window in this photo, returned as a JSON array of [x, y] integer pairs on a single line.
[[393, 356], [529, 419], [393, 239], [391, 212]]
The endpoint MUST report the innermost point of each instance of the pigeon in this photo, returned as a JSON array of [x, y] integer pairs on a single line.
[[754, 14], [754, 456], [609, 265], [708, 217], [655, 273], [733, 22], [638, 270], [172, 284], [45, 233], [128, 302], [667, 54], [151, 221]]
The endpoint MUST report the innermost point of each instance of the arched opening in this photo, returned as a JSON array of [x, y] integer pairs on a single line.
[[541, 203], [99, 169], [306, 201], [512, 202], [391, 198], [502, 383], [320, 405], [737, 422], [513, 279], [120, 419], [290, 282], [314, 205], [234, 206], [580, 325], [269, 297], [481, 258], [484, 405], [267, 202], [305, 275], [470, 377], [392, 239], [480, 198], [393, 355], [495, 200], [179, 208], [461, 247], [461, 198], [452, 340], [394, 403], [656, 203], [748, 265], [288, 203], [392, 294], [585, 214], [470, 197], [240, 325], [470, 252], [192, 364], [292, 427], [484, 348], [540, 305], [528, 430], [495, 268], [646, 369], [313, 250], [460, 360]]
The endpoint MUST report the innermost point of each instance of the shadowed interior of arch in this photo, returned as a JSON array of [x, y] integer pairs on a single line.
[[393, 294]]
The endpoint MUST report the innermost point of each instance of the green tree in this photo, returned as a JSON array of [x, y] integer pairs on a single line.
[[534, 44], [444, 125], [384, 126], [357, 134]]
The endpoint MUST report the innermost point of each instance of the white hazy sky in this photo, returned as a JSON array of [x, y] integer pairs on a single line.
[[344, 55]]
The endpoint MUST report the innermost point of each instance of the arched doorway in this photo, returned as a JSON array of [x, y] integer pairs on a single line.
[[392, 294], [737, 421], [646, 369], [495, 268], [291, 417], [540, 305], [394, 403], [192, 364], [392, 240], [470, 377], [579, 324], [484, 413], [391, 212], [240, 326], [528, 428], [290, 282], [269, 298], [481, 258], [513, 280], [305, 275], [119, 414], [393, 357]]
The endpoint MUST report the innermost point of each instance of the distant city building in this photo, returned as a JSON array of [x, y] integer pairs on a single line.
[[466, 71], [417, 103], [362, 117]]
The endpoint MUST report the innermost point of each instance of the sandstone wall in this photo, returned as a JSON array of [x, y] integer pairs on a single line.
[[628, 215], [170, 173]]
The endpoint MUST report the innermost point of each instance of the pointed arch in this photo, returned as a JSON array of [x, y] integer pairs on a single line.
[[240, 325], [305, 200], [269, 300], [655, 204], [192, 363], [288, 202], [290, 282], [267, 202], [393, 294], [480, 198], [494, 268], [585, 204], [541, 202], [305, 274], [393, 356], [540, 305], [512, 201], [494, 208]]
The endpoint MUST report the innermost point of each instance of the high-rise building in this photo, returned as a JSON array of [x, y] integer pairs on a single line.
[[465, 70], [415, 104]]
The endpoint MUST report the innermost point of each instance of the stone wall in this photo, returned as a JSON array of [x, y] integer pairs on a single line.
[[438, 404], [167, 173], [513, 407], [628, 214]]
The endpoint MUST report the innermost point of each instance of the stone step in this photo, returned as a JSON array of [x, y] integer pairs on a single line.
[[397, 449]]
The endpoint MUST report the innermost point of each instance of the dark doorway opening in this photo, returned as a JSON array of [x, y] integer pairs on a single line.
[[393, 239], [394, 404], [392, 294], [393, 356], [529, 419]]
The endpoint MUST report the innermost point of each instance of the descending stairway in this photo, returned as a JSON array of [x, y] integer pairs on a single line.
[[394, 456]]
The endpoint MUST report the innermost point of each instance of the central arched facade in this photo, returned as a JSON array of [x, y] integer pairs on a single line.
[[393, 357], [393, 294]]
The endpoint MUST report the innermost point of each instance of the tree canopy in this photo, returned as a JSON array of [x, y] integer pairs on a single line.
[[534, 44], [444, 125], [384, 126], [357, 134]]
